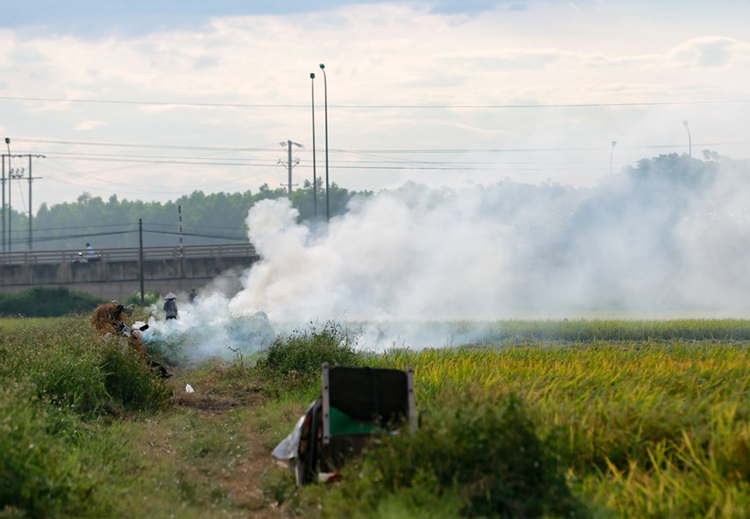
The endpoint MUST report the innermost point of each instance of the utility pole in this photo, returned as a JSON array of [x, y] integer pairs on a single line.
[[16, 175], [182, 251], [140, 255], [4, 227], [31, 213], [290, 163], [179, 212]]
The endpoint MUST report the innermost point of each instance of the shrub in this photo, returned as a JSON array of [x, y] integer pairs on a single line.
[[129, 383], [473, 458], [40, 476], [72, 367], [304, 351], [47, 302], [149, 298]]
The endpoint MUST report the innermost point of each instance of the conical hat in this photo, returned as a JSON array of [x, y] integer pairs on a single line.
[[170, 296]]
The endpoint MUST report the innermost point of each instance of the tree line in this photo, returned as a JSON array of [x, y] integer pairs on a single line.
[[206, 218]]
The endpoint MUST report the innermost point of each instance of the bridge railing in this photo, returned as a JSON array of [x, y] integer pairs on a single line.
[[129, 254]]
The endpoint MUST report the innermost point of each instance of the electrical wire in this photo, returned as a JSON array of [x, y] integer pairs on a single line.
[[175, 233], [116, 233], [148, 146], [371, 151], [370, 106]]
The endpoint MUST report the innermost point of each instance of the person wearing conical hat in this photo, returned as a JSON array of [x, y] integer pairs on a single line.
[[170, 306]]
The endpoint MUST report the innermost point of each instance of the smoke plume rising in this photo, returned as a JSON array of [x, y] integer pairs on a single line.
[[667, 238]]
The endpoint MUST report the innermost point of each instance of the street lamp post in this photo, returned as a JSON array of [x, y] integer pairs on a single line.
[[612, 156], [690, 140], [325, 90], [315, 178]]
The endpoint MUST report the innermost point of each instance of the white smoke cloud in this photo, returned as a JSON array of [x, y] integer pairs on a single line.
[[668, 239], [654, 243], [207, 328]]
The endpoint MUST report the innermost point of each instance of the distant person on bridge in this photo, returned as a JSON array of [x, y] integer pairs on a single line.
[[170, 306], [193, 295], [89, 251]]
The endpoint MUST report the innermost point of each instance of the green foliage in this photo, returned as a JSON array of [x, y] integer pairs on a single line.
[[477, 456], [212, 215], [582, 330], [303, 352], [129, 383], [302, 199], [47, 302], [69, 365], [149, 298], [41, 474]]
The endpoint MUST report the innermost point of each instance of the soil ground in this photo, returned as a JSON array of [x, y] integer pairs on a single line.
[[215, 444]]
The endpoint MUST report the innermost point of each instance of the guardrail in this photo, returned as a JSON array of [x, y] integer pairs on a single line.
[[128, 254]]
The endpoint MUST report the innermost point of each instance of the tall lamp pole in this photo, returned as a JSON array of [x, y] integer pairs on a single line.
[[325, 89], [612, 156], [690, 140], [315, 178]]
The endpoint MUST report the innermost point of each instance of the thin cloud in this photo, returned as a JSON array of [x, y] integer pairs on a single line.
[[88, 125]]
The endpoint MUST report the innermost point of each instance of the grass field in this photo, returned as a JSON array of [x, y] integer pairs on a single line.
[[11, 324], [543, 419]]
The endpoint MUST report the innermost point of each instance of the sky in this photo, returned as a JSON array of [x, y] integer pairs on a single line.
[[153, 100]]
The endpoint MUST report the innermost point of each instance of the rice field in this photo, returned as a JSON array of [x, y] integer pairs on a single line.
[[641, 418], [652, 428]]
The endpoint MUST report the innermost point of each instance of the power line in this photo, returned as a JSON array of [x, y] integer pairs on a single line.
[[374, 150], [372, 106], [80, 227], [193, 226], [134, 189], [115, 233], [384, 159], [199, 235], [150, 146], [74, 236], [49, 229], [333, 166]]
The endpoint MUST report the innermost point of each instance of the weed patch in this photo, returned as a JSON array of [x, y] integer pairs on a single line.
[[41, 473], [298, 357], [70, 366]]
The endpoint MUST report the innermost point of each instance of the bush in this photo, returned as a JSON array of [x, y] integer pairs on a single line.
[[47, 302], [473, 458], [149, 298], [70, 366], [40, 475], [303, 352], [129, 383]]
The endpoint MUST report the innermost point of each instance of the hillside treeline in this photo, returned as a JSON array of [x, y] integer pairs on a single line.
[[206, 219]]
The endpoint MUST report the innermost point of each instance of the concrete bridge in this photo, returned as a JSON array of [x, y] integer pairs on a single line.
[[116, 273]]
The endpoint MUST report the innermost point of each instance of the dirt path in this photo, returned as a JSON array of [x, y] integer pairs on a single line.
[[211, 444]]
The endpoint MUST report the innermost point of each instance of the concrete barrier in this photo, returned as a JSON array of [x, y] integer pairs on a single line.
[[119, 279]]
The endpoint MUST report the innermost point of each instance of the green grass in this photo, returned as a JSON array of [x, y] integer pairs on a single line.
[[11, 324], [624, 419]]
